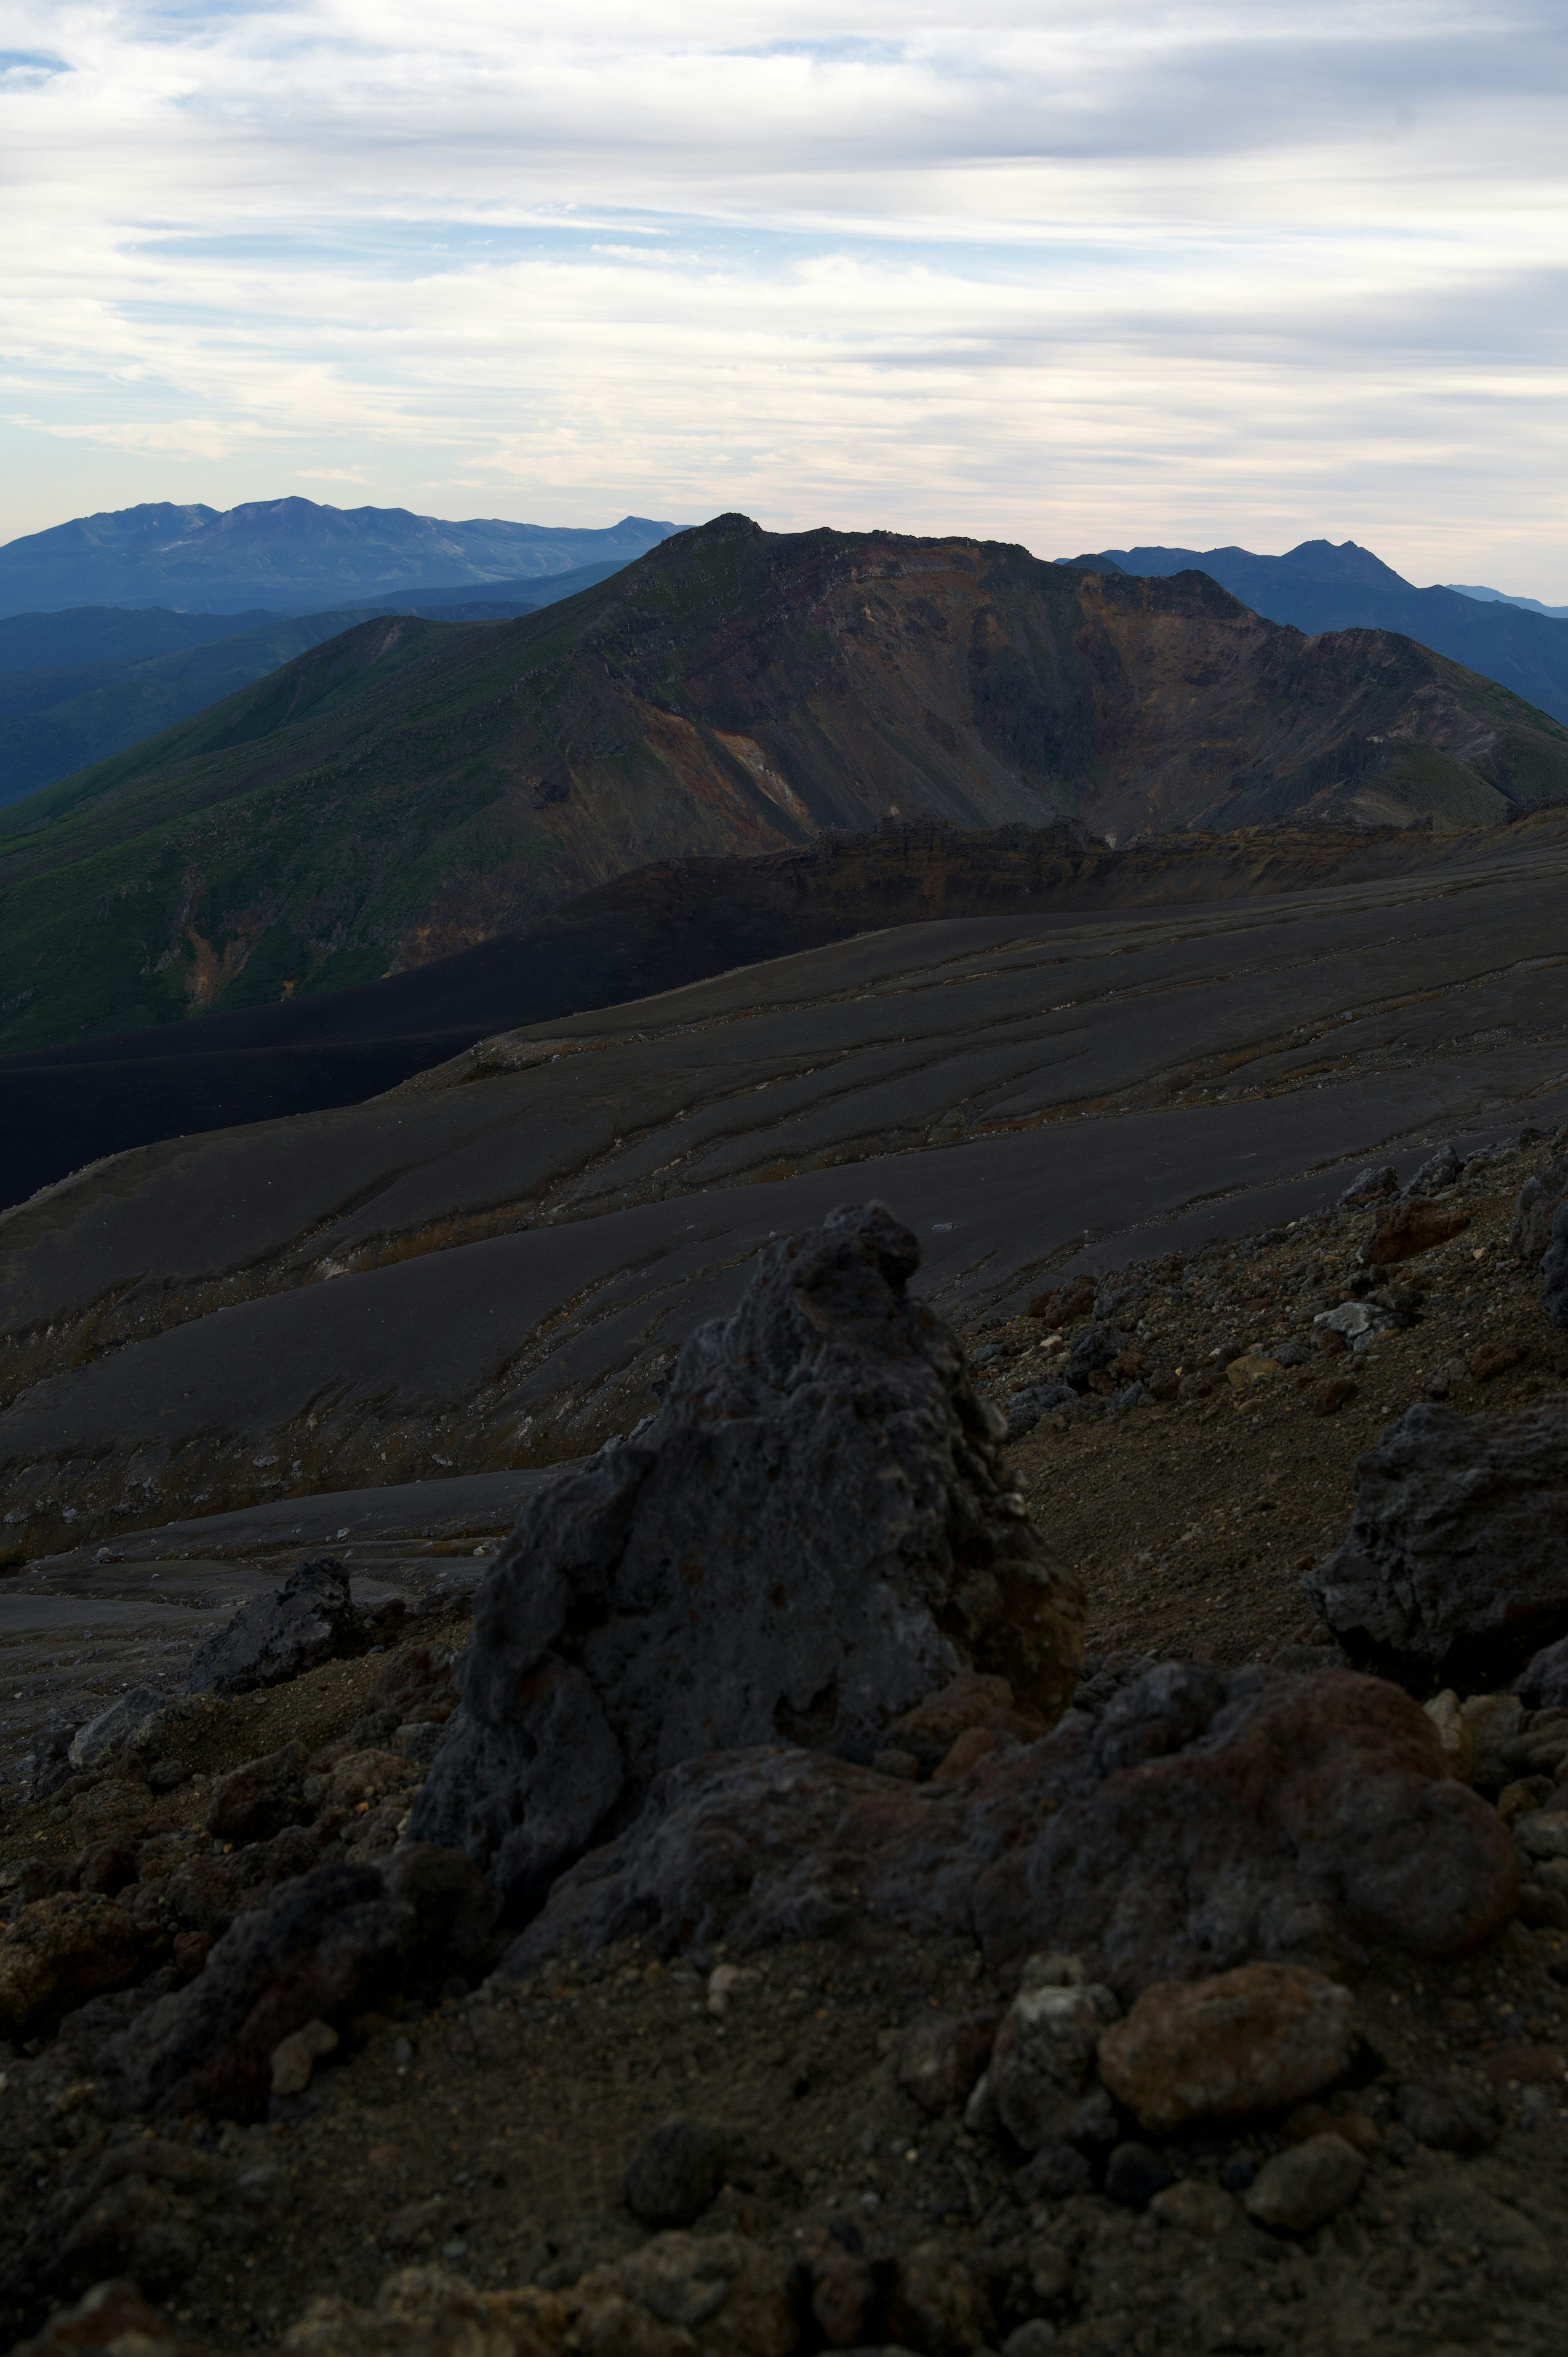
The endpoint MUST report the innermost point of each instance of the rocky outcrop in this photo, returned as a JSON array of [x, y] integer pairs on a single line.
[[325, 1941], [1199, 1823], [1540, 1199], [1456, 1567], [1554, 1270], [310, 1620], [813, 1534]]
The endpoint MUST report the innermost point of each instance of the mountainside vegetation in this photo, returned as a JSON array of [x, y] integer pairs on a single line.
[[81, 704], [411, 788]]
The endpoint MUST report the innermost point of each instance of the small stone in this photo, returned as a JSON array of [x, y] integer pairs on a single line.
[[1544, 1685], [1035, 2338], [1495, 1358], [903, 1765], [1543, 1834], [968, 1750], [1305, 2187], [725, 1983], [1043, 2058], [1206, 2211], [1056, 2173], [1446, 1714], [1248, 2041], [1493, 1721], [675, 2173], [259, 1799], [937, 2305], [295, 2057], [1248, 1371], [1448, 2113], [942, 2056], [1135, 2174], [414, 2224], [1334, 1396]]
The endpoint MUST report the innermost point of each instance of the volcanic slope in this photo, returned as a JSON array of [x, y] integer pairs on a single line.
[[411, 788], [487, 1268], [656, 930]]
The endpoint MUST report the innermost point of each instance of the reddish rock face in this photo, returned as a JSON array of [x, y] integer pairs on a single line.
[[1199, 1823]]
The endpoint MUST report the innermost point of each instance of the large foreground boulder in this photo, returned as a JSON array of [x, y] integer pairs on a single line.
[[1456, 1568], [1200, 1823], [813, 1534]]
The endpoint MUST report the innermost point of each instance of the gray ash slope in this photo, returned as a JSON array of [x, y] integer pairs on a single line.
[[492, 1267]]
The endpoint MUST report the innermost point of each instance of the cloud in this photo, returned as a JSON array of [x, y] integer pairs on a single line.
[[1198, 273]]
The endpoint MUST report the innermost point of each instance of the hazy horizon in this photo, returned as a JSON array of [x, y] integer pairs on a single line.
[[1184, 277]]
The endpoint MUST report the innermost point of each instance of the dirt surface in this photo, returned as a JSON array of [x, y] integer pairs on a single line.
[[1192, 1521], [485, 2130]]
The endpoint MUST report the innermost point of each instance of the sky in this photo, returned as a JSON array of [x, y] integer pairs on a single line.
[[1081, 277]]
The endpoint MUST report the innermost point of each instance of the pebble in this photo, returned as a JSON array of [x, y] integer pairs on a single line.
[[295, 2057], [675, 2173], [1305, 2187], [1198, 2209]]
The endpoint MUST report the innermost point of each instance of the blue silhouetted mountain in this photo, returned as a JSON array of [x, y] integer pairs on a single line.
[[1502, 598], [1321, 587], [290, 556]]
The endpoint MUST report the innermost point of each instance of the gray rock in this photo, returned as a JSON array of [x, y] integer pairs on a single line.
[[942, 2055], [1440, 1170], [310, 1620], [676, 2173], [813, 1532], [1456, 1567], [1544, 1685], [1538, 1202], [1199, 1821], [1370, 1186], [1035, 2338], [113, 1726], [1307, 2185], [1290, 1354], [1043, 2060], [1092, 1348], [1554, 1270], [1448, 2112], [1024, 1409]]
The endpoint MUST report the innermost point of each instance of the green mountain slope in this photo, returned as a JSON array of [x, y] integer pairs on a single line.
[[54, 722], [412, 787]]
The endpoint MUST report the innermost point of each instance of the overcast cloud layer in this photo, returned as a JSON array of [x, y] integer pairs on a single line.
[[1234, 272]]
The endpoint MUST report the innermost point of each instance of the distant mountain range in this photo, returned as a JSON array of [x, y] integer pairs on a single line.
[[1319, 586], [1502, 598], [78, 686], [291, 556], [411, 787]]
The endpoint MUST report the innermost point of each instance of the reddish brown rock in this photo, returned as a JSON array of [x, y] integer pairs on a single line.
[[1201, 1821], [1404, 1229], [1248, 2041], [58, 1953]]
